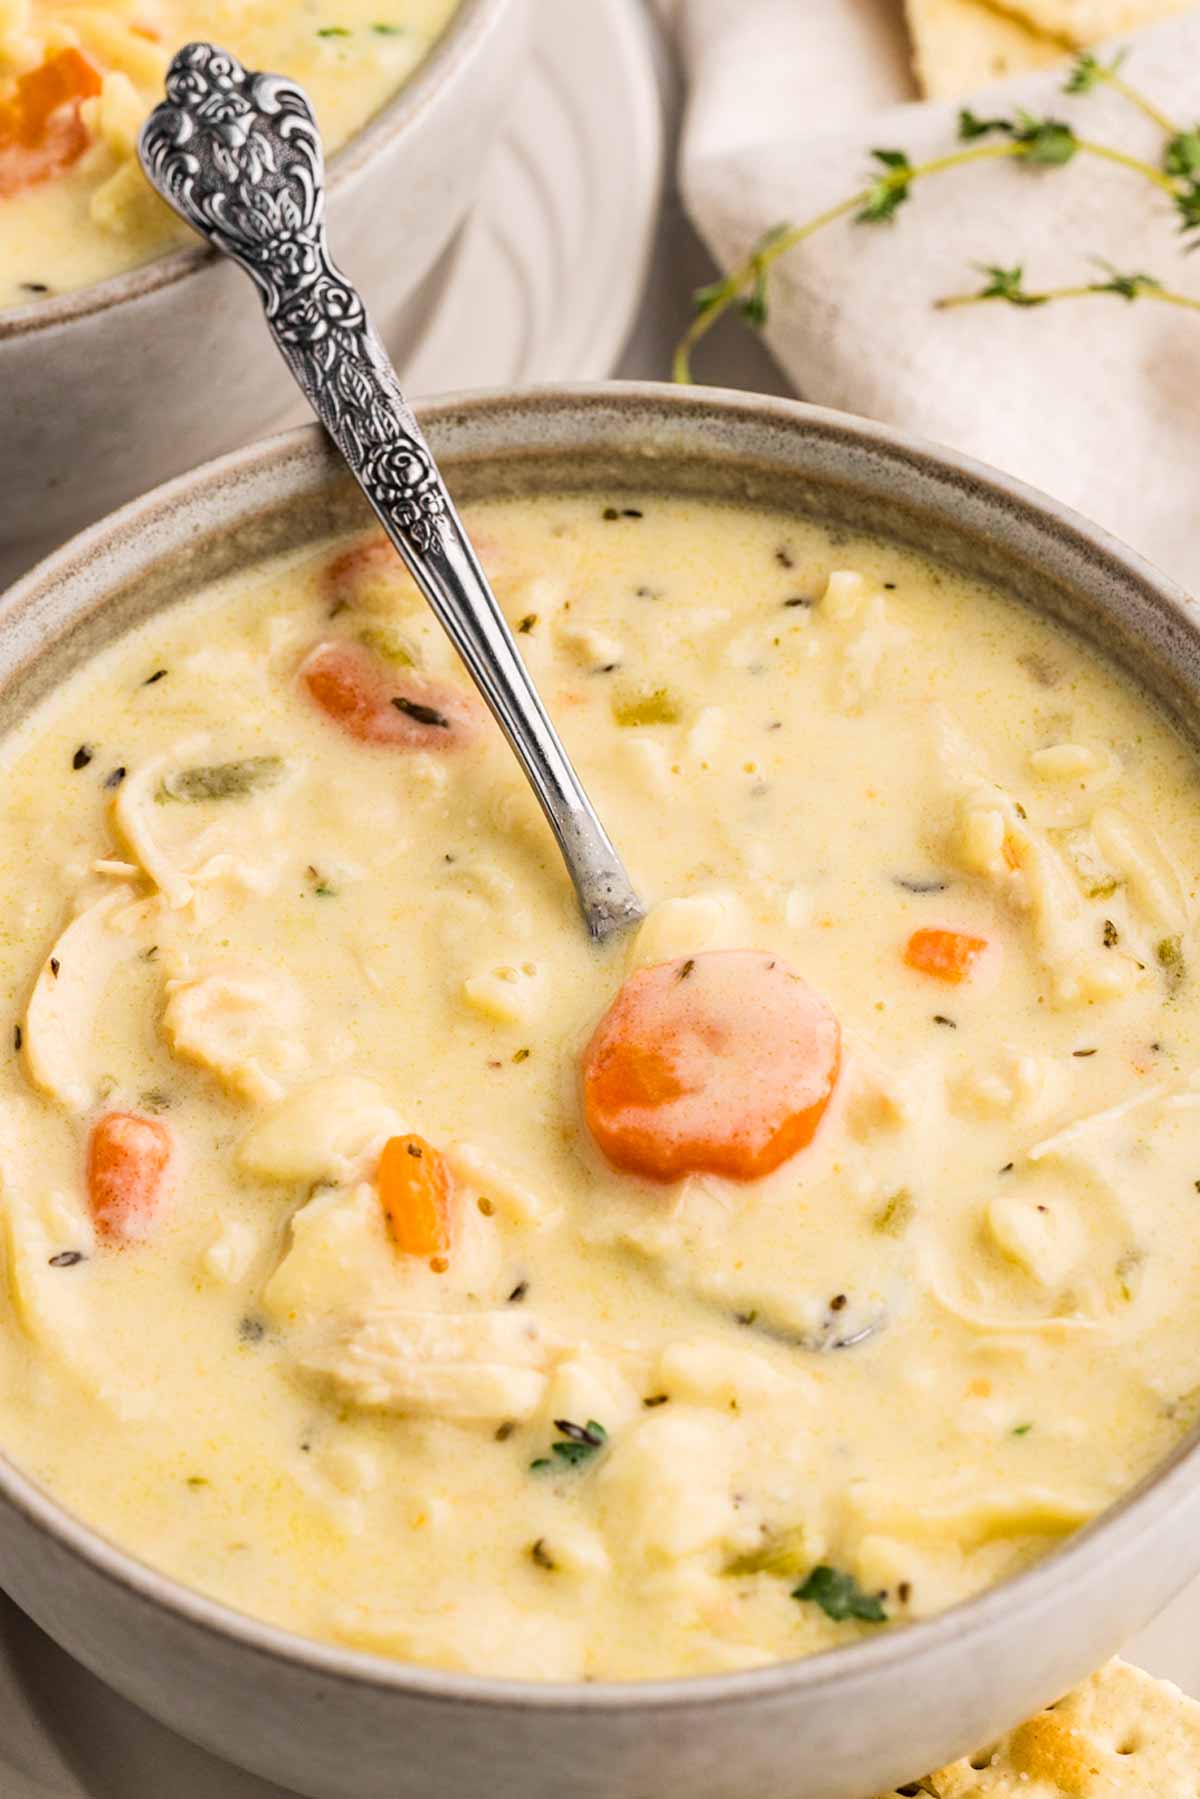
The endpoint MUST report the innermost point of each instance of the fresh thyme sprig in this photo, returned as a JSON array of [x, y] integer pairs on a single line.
[[1008, 285], [1088, 73], [1046, 143]]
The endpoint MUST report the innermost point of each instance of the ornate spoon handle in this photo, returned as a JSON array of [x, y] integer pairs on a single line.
[[239, 156]]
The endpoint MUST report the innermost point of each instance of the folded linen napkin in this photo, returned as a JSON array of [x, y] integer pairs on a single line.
[[1096, 400]]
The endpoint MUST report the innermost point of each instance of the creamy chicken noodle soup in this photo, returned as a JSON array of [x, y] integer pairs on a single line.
[[78, 77], [389, 1261]]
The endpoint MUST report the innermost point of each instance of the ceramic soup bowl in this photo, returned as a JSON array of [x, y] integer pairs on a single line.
[[336, 1724]]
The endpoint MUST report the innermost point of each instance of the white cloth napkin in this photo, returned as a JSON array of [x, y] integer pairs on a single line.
[[1097, 401]]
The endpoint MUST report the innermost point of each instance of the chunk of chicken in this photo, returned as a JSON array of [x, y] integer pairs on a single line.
[[325, 1131], [242, 1024], [467, 1366], [61, 1036]]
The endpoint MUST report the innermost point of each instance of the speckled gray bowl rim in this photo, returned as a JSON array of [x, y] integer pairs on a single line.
[[394, 120], [695, 414]]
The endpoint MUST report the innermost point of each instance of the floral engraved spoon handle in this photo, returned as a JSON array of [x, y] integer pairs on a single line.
[[239, 156]]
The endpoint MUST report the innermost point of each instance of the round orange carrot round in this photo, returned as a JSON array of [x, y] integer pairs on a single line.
[[415, 1191], [128, 1160], [720, 1063], [404, 711]]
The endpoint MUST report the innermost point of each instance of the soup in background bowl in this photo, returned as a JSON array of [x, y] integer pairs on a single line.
[[481, 1329], [77, 82], [143, 358]]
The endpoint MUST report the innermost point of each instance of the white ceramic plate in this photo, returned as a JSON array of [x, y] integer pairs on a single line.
[[544, 284]]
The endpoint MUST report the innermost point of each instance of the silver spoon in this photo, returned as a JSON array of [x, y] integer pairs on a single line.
[[239, 156]]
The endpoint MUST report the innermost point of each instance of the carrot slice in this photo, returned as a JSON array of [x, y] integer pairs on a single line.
[[415, 1192], [128, 1159], [371, 569], [721, 1063], [41, 132], [947, 955], [377, 705]]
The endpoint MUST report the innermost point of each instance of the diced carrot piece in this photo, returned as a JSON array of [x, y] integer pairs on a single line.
[[720, 1063], [41, 132], [128, 1160], [947, 955], [376, 704], [415, 1191]]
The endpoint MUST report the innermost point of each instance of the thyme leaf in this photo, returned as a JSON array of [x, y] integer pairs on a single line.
[[889, 190], [574, 1444], [840, 1597]]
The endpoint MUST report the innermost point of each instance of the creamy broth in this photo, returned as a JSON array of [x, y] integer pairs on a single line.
[[293, 939], [74, 205]]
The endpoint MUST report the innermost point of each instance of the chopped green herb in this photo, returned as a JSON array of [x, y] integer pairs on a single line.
[[221, 780], [656, 1399], [504, 1431], [1170, 959], [686, 970], [574, 1444], [527, 623], [154, 1100], [840, 1596], [657, 708], [333, 31], [196, 1481], [382, 29], [387, 643], [1083, 1052], [782, 1554], [522, 1055], [1021, 1430], [539, 1553], [940, 1018]]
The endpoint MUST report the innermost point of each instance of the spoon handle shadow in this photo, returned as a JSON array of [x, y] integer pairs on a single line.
[[239, 157]]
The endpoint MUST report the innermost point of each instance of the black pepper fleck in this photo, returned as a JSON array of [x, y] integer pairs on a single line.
[[82, 757]]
